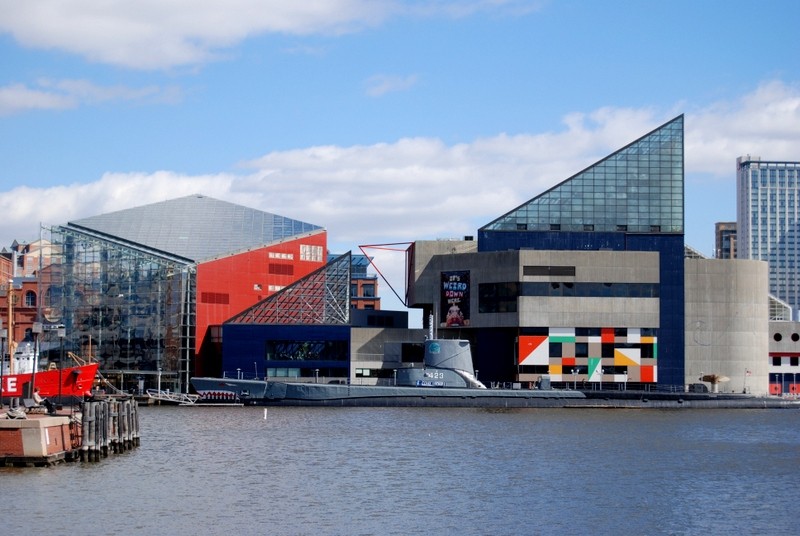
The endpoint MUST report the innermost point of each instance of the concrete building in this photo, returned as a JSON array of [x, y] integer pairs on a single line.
[[768, 212], [784, 358], [727, 323], [591, 285]]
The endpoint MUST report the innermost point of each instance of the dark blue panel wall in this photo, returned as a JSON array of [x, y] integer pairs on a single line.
[[245, 344]]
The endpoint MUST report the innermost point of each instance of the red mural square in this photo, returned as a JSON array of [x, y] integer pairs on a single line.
[[647, 373]]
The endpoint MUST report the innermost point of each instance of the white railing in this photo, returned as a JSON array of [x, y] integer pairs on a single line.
[[182, 399]]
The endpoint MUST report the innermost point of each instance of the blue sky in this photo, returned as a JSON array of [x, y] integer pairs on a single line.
[[383, 121]]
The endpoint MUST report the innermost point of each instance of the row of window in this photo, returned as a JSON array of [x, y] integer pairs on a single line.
[[279, 255], [30, 299], [779, 337], [502, 297]]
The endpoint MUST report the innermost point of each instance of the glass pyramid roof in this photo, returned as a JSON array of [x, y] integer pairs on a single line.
[[195, 227], [639, 188], [321, 297]]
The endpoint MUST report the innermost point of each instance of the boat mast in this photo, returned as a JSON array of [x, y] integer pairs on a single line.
[[11, 345]]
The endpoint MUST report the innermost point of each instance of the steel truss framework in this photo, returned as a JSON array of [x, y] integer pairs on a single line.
[[322, 297]]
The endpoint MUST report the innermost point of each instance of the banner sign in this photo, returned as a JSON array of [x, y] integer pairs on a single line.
[[454, 299]]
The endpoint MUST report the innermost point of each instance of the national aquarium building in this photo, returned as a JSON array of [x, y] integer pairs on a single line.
[[585, 284], [588, 285]]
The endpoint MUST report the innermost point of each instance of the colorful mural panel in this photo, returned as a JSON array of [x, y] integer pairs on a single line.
[[590, 354]]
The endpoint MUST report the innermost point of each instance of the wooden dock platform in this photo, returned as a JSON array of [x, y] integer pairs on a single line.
[[94, 430]]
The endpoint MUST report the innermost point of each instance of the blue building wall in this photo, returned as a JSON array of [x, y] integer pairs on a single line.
[[245, 347]]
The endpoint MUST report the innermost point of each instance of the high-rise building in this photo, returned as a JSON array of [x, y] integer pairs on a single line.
[[725, 243], [768, 217]]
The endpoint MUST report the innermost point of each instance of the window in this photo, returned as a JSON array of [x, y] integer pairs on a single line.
[[281, 269], [278, 255], [30, 299], [497, 297], [368, 290], [214, 297], [310, 253]]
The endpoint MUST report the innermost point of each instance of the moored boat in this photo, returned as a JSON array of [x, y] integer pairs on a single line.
[[20, 373]]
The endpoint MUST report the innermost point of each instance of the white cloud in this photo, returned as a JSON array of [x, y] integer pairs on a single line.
[[18, 97], [382, 84], [763, 123], [158, 34], [417, 188], [65, 94], [24, 208]]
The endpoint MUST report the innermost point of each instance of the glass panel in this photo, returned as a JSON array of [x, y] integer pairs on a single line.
[[634, 185]]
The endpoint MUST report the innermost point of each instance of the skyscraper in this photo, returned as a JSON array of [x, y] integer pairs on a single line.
[[725, 243], [768, 218]]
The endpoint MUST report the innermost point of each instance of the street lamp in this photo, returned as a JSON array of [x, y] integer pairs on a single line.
[[625, 388], [62, 331], [575, 379], [3, 332], [602, 371], [36, 330], [316, 375]]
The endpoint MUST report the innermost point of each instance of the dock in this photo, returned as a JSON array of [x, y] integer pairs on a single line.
[[88, 432]]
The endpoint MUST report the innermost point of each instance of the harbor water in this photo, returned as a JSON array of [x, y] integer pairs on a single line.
[[365, 471]]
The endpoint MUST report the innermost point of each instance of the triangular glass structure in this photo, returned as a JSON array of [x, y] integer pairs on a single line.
[[321, 297], [637, 189]]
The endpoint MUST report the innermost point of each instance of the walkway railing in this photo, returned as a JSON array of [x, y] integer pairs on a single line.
[[182, 399]]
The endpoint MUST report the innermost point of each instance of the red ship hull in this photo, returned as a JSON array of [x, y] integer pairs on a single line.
[[74, 381]]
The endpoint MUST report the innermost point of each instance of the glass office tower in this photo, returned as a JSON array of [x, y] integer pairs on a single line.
[[768, 217]]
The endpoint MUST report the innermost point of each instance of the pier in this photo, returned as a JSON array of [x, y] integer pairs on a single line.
[[89, 432]]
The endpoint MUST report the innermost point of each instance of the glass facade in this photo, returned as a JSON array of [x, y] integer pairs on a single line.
[[768, 220], [638, 189], [129, 309], [124, 284]]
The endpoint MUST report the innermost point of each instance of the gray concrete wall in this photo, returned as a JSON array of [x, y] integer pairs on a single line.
[[424, 284], [784, 340], [592, 267], [368, 345], [727, 322]]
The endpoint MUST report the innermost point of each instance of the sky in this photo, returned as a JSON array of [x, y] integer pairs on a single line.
[[383, 121]]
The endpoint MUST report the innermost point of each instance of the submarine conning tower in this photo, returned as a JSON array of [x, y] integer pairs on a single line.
[[452, 354]]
